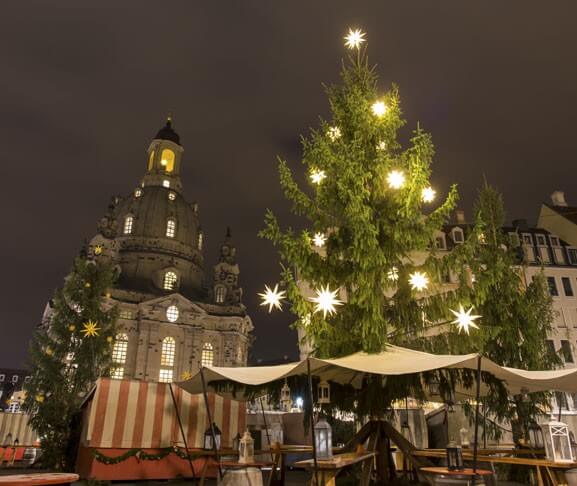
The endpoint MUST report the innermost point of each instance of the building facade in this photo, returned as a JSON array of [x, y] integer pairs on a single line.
[[172, 317], [11, 381]]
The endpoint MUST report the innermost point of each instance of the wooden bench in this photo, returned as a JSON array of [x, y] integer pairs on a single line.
[[328, 470]]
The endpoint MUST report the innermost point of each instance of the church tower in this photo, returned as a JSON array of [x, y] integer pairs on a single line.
[[171, 320]]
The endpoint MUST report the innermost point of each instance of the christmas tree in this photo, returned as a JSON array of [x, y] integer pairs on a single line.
[[68, 354]]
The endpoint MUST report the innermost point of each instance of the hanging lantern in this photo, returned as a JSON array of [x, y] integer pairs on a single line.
[[557, 442], [450, 400], [236, 442], [286, 402], [276, 433], [208, 444], [434, 388], [324, 392], [464, 433], [246, 449], [323, 439], [536, 436], [454, 457]]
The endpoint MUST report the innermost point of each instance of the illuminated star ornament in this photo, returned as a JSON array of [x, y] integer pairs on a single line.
[[272, 298], [464, 320], [187, 375], [90, 329], [354, 38], [98, 249], [379, 108], [393, 274], [419, 281], [396, 179], [334, 133], [326, 300], [319, 240], [428, 194], [382, 145], [317, 176]]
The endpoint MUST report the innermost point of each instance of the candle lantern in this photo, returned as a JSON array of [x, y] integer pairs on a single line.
[[454, 457], [324, 391], [276, 433], [286, 402], [434, 388], [557, 442], [208, 443], [323, 439], [535, 436], [246, 450]]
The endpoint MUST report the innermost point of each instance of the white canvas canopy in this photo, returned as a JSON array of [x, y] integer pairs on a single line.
[[394, 361]]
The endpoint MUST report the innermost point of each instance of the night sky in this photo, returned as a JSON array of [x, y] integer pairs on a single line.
[[84, 90]]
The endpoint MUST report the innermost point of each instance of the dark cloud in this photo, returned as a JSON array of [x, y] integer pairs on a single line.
[[84, 87]]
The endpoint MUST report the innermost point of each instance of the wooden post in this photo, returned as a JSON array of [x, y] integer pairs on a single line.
[[312, 423], [181, 429], [267, 434], [476, 436], [209, 416]]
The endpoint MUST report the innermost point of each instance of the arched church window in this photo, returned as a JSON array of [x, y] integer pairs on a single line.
[[200, 240], [166, 183], [172, 313], [219, 294], [171, 227], [207, 356], [169, 282], [119, 352], [167, 160], [128, 223], [151, 161], [167, 354]]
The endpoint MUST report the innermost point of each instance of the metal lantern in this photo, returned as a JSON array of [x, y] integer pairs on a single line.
[[557, 442], [464, 433], [323, 439], [434, 388], [246, 449], [276, 433], [285, 398], [535, 436], [324, 391], [208, 444], [454, 457]]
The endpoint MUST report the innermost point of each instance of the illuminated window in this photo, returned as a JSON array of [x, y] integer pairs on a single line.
[[120, 349], [166, 183], [165, 376], [151, 161], [138, 193], [171, 228], [125, 314], [167, 160], [128, 222], [207, 357], [172, 196], [220, 293], [172, 313], [169, 282], [167, 353], [117, 373], [200, 240]]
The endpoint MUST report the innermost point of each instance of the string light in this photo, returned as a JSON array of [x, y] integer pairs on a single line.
[[428, 194], [272, 298], [334, 133], [464, 320], [393, 274], [354, 38], [319, 239], [396, 179], [382, 145], [317, 176], [326, 300], [419, 281], [379, 108], [306, 320]]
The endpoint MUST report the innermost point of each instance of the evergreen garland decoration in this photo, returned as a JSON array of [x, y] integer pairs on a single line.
[[141, 455]]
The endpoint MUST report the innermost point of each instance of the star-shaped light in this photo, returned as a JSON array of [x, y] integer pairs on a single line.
[[334, 133], [326, 300], [98, 249], [272, 298], [393, 274], [90, 329], [306, 320], [187, 375], [382, 145], [464, 320], [379, 108], [396, 179], [354, 38], [419, 281], [319, 240], [428, 194], [317, 176]]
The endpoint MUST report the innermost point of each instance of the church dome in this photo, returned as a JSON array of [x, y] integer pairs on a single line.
[[168, 133]]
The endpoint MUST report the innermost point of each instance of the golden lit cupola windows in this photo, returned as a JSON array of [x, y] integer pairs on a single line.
[[170, 227], [167, 160], [128, 224], [151, 161], [170, 280]]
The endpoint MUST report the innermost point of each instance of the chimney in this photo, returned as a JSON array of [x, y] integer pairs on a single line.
[[558, 199], [460, 216]]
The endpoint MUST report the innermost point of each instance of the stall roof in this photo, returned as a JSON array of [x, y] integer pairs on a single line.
[[394, 361]]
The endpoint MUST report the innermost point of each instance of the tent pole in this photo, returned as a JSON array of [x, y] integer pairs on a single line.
[[181, 429], [209, 416], [477, 400], [312, 422], [267, 434]]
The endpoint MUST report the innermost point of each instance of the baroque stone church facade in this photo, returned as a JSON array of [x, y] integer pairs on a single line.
[[171, 321]]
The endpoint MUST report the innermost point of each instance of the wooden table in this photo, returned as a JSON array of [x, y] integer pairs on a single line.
[[328, 470], [466, 473], [38, 479]]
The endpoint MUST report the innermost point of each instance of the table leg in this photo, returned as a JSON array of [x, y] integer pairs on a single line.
[[203, 473]]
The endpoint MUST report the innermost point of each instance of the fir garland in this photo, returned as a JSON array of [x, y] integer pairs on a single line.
[[141, 455]]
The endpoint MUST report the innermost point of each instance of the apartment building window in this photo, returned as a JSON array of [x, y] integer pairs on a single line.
[[572, 253], [541, 240], [552, 286], [561, 400], [528, 240], [567, 288], [550, 345], [566, 351], [554, 241], [458, 235], [440, 243]]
